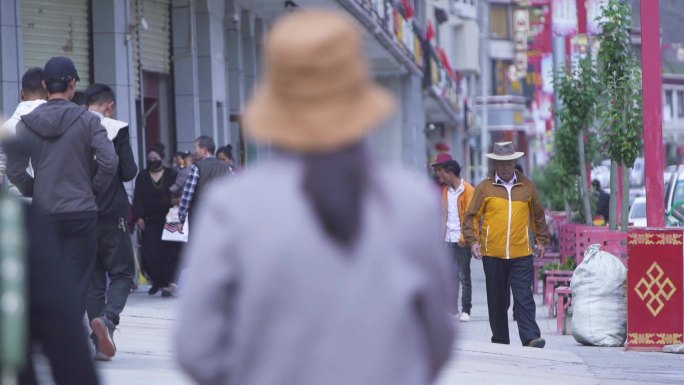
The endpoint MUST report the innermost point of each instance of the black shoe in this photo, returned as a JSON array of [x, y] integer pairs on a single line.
[[153, 290], [536, 343], [103, 329]]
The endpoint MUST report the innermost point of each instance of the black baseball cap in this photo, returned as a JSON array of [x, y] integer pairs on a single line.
[[60, 68]]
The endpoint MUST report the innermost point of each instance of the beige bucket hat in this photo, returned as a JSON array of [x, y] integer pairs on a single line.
[[317, 94], [504, 151]]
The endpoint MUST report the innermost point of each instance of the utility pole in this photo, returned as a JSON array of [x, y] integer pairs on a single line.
[[484, 77], [652, 111]]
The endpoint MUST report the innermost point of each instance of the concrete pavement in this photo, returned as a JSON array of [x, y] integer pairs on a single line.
[[563, 361], [145, 354]]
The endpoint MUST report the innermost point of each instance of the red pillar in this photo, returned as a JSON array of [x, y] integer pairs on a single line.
[[652, 105], [582, 30], [582, 17]]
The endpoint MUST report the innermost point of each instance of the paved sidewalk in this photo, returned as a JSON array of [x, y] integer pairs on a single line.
[[145, 354], [563, 361]]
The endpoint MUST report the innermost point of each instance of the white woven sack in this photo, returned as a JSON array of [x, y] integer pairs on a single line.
[[599, 299]]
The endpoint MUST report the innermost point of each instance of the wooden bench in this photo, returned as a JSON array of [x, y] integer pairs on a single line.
[[551, 277], [549, 257], [564, 295], [611, 241]]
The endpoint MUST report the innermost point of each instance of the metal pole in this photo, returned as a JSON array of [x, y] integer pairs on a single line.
[[652, 111], [484, 77], [558, 64]]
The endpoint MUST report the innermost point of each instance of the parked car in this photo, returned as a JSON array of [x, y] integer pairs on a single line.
[[674, 197], [637, 213]]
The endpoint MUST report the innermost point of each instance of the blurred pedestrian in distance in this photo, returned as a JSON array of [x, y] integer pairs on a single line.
[[225, 154], [602, 201], [186, 160], [74, 162], [456, 197], [440, 158], [151, 203], [32, 95], [503, 206], [115, 258], [323, 267], [205, 169]]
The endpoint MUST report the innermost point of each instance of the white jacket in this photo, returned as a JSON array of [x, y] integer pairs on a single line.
[[8, 129]]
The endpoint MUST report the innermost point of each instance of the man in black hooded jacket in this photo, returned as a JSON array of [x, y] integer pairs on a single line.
[[114, 247], [61, 139]]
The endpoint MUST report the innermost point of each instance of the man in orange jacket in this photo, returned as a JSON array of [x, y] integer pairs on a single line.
[[456, 197], [504, 208]]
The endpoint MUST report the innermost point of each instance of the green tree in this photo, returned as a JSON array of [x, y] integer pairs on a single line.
[[578, 90], [621, 126]]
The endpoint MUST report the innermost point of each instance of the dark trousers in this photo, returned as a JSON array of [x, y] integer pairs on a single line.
[[461, 258], [515, 275], [78, 242], [114, 259]]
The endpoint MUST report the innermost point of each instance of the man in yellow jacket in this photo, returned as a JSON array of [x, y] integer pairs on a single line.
[[505, 207], [456, 196]]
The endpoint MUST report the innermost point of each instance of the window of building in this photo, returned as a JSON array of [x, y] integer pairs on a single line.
[[680, 104], [500, 21], [668, 108]]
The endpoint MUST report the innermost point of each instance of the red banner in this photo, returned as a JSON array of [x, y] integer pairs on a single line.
[[655, 288]]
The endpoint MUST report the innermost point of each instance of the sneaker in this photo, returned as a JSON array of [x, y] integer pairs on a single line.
[[465, 317], [153, 290], [103, 329], [536, 343], [99, 356]]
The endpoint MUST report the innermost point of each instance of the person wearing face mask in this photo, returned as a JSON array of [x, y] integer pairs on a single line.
[[151, 203]]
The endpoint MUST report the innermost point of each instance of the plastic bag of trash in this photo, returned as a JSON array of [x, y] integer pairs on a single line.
[[599, 299]]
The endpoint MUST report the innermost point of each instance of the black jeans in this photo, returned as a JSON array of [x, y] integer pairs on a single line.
[[515, 275], [461, 258], [114, 259], [78, 242]]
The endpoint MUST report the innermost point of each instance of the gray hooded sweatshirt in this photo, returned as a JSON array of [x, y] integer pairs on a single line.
[[61, 139], [271, 300]]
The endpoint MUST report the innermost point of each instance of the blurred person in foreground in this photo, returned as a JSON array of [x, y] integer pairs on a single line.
[[508, 206], [54, 324], [338, 276], [114, 259]]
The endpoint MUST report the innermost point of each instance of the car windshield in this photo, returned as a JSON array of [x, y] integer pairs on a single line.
[[679, 193], [639, 210]]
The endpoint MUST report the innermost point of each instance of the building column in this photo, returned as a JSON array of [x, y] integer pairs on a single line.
[[211, 64], [414, 142], [235, 80], [185, 73], [386, 141], [12, 58], [249, 62], [113, 61]]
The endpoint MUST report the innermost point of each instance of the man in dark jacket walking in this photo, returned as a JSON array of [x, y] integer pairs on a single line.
[[61, 139], [114, 247]]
